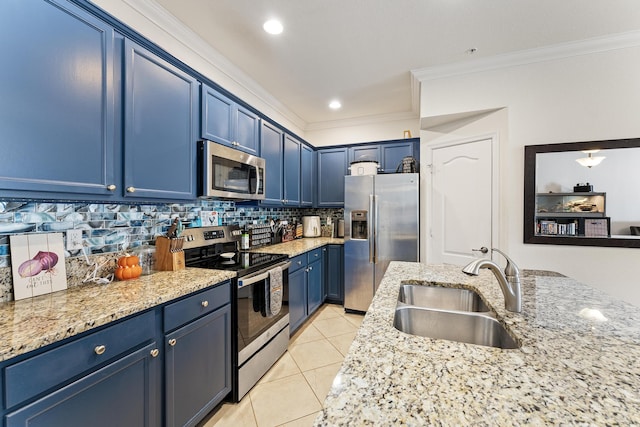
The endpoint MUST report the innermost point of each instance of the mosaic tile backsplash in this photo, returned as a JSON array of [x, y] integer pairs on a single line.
[[108, 228]]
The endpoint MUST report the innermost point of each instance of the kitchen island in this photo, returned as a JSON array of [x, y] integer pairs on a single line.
[[570, 369]]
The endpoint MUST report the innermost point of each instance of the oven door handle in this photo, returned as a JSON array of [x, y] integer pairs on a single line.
[[242, 282]]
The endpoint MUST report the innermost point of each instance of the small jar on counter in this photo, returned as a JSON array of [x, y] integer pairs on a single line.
[[147, 256]]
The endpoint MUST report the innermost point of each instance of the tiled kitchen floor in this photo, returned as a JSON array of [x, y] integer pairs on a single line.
[[293, 391]]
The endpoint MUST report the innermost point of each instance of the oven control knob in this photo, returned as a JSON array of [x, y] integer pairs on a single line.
[[205, 303]]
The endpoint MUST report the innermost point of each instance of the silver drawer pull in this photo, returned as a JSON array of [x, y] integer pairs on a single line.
[[100, 349], [172, 342], [205, 303], [154, 352]]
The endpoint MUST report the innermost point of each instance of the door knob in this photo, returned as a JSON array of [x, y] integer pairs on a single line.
[[483, 249]]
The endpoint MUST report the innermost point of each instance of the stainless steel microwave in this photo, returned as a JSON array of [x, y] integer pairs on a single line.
[[228, 173]]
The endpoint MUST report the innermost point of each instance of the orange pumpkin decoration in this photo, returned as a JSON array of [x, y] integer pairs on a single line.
[[128, 268]]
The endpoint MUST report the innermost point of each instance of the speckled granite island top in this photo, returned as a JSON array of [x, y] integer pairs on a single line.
[[299, 246], [570, 370], [32, 323]]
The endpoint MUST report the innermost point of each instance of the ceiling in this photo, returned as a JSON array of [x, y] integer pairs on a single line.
[[363, 51]]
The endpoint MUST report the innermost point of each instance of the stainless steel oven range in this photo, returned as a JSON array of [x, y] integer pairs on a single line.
[[260, 300]]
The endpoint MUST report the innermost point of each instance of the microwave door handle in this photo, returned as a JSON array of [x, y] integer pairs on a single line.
[[257, 180]]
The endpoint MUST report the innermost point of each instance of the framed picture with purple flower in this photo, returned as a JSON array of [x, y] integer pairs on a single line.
[[37, 263]]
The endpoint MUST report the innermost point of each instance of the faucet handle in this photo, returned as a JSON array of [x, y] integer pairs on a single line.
[[511, 269]]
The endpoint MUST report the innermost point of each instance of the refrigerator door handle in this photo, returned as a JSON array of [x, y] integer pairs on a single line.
[[375, 230], [371, 232]]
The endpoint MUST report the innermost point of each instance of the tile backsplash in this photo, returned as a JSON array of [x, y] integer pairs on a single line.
[[107, 228]]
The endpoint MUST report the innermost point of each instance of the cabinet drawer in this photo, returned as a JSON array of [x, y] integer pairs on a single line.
[[298, 262], [314, 255], [194, 306], [44, 371]]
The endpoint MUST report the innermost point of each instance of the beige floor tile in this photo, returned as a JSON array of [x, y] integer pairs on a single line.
[[284, 400], [356, 319], [343, 342], [334, 326], [284, 367], [315, 354], [233, 415], [321, 379], [327, 311], [302, 422], [309, 333]]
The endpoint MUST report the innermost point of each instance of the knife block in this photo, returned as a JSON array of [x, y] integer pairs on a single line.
[[167, 260]]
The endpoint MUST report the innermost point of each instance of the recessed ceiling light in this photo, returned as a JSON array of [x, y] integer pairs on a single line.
[[273, 26], [335, 104]]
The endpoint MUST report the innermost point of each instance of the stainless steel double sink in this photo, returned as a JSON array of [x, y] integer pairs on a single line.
[[449, 313]]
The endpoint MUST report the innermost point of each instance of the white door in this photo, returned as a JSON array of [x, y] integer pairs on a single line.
[[462, 203]]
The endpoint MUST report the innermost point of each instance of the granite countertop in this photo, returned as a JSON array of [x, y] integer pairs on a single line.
[[33, 323], [299, 246], [569, 369]]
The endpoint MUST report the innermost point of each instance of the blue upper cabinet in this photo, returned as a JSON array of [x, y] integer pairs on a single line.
[[228, 123], [160, 128], [271, 150], [57, 100], [365, 153], [307, 176], [291, 171], [393, 153], [332, 168]]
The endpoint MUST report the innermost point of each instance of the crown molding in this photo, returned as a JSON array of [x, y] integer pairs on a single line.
[[530, 56], [191, 41]]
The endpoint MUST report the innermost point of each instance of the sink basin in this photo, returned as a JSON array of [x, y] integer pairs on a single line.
[[442, 298], [467, 327]]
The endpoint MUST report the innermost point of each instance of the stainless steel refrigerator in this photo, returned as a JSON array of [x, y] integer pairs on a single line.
[[381, 214]]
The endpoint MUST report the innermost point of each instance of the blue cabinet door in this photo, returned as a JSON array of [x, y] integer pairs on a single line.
[[307, 176], [123, 393], [161, 104], [197, 368], [247, 130], [217, 116], [392, 154], [57, 102], [332, 167], [271, 145], [291, 166], [315, 290], [226, 122], [365, 153], [297, 298], [334, 277]]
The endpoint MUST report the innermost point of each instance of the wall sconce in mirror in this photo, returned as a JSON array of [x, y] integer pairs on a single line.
[[590, 161], [604, 213]]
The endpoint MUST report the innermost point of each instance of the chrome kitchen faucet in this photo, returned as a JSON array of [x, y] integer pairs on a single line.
[[509, 280]]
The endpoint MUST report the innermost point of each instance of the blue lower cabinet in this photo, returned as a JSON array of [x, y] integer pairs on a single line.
[[314, 286], [197, 368], [297, 298], [123, 393], [334, 274]]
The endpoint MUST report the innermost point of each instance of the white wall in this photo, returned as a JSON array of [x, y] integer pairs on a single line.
[[582, 98], [351, 132]]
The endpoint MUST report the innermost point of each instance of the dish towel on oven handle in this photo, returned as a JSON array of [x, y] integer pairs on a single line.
[[274, 292]]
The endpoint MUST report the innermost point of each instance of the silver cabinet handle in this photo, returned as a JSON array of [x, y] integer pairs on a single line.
[[299, 262], [111, 187], [154, 352], [172, 342], [205, 303], [310, 268], [131, 189], [100, 349]]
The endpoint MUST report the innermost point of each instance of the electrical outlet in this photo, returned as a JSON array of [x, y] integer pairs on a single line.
[[74, 240]]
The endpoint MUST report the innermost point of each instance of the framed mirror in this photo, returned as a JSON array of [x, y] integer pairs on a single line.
[[583, 193]]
